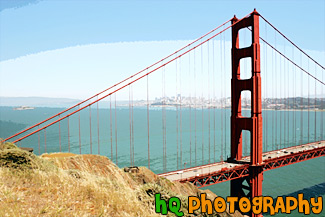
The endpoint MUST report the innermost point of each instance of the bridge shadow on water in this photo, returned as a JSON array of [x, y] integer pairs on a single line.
[[313, 191]]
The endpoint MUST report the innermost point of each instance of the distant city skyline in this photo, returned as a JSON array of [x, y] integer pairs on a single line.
[[296, 103]]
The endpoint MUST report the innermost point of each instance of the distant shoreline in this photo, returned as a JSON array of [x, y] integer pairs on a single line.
[[167, 106]]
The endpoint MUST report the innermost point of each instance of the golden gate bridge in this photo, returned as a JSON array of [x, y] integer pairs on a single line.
[[270, 76]]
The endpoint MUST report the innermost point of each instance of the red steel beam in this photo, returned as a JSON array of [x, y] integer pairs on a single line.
[[274, 163], [241, 171], [212, 178]]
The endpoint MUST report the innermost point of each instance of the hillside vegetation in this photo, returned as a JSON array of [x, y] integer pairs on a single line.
[[63, 184]]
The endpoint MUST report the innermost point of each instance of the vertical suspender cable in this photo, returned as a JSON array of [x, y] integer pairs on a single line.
[[315, 127], [277, 100], [267, 97], [98, 140], [285, 100], [68, 133], [322, 111], [59, 133], [288, 114], [148, 122], [180, 112], [91, 145], [45, 140], [208, 107], [225, 92], [301, 105], [162, 116], [195, 105], [221, 98], [39, 145], [214, 105], [177, 115], [295, 96], [115, 132], [111, 125], [289, 102], [130, 127], [273, 99], [308, 86], [265, 127], [281, 100], [190, 106], [202, 104], [79, 130]]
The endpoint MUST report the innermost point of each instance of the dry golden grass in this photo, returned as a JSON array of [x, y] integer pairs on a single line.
[[49, 190], [63, 184], [58, 193]]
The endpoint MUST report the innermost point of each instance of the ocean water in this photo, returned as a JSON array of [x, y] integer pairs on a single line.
[[200, 136]]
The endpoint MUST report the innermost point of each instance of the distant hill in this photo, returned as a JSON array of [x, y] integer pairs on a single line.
[[37, 101]]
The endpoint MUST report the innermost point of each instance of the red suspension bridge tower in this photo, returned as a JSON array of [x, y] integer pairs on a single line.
[[253, 123]]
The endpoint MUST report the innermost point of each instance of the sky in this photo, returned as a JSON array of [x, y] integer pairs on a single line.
[[73, 49]]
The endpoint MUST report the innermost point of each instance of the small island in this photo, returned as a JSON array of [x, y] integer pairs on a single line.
[[23, 108]]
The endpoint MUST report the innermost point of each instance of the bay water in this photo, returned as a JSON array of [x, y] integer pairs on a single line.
[[192, 137]]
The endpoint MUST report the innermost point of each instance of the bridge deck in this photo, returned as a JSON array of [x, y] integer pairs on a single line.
[[224, 171]]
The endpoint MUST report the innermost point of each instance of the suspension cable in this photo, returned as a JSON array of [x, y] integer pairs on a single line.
[[293, 62], [292, 42]]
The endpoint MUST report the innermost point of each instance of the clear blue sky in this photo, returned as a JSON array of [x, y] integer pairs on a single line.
[[37, 37], [46, 25]]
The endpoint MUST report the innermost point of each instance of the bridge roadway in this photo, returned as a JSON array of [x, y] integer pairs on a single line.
[[224, 171]]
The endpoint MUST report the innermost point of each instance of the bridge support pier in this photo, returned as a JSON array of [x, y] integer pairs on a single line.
[[253, 123]]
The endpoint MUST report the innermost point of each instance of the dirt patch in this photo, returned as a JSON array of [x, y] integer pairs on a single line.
[[55, 155]]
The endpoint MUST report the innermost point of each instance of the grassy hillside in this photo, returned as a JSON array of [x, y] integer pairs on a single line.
[[63, 184]]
